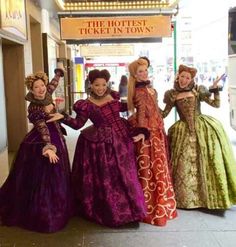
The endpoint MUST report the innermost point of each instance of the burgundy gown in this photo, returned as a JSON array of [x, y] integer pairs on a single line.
[[37, 195], [104, 172]]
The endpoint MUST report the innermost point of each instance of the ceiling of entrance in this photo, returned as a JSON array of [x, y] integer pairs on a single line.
[[106, 7], [140, 6]]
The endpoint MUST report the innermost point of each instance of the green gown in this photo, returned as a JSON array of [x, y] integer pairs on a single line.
[[204, 168]]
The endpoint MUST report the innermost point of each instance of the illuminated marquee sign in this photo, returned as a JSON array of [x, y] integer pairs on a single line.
[[124, 27]]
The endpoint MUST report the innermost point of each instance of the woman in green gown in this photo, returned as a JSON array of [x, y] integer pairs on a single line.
[[204, 168]]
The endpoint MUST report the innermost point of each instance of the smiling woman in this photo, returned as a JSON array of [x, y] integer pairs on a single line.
[[37, 193], [202, 158], [152, 154], [104, 173]]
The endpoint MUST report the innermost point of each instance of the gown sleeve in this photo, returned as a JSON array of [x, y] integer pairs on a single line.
[[52, 85], [169, 100], [140, 105], [82, 115], [123, 105], [205, 95], [37, 117]]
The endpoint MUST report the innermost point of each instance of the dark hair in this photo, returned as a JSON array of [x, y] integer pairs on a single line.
[[146, 58], [123, 80], [94, 74]]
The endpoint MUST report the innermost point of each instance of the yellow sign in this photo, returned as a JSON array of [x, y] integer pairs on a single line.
[[124, 27], [79, 77], [13, 17]]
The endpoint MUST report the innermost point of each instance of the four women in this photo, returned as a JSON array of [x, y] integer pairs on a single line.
[[109, 187]]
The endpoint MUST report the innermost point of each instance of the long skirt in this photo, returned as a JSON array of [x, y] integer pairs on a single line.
[[104, 176], [37, 195], [154, 174], [204, 168]]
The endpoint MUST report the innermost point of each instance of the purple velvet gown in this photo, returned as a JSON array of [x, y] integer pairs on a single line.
[[104, 172], [37, 194]]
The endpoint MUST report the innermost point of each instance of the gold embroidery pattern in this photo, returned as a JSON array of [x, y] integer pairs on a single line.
[[155, 179], [186, 110], [188, 182]]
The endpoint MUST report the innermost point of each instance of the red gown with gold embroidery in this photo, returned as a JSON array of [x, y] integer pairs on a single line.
[[152, 159]]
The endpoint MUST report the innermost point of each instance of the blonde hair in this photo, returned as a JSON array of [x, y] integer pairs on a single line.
[[133, 67], [30, 79]]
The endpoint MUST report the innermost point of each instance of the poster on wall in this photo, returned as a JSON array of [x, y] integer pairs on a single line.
[[50, 56], [13, 17], [59, 95]]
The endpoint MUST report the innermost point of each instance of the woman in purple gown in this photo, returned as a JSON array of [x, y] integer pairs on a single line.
[[37, 193], [104, 172]]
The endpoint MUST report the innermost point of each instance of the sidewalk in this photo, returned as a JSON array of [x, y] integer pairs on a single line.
[[192, 228]]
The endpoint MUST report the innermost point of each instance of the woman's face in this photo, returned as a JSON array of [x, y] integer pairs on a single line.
[[184, 79], [99, 86], [141, 73], [39, 89]]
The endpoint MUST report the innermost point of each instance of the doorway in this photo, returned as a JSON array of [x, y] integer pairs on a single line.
[[13, 74]]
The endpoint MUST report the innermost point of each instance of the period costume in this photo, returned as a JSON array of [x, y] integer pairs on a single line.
[[37, 194], [204, 169], [104, 172], [152, 158]]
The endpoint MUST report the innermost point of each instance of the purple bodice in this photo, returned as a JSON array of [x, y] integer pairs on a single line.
[[106, 118], [107, 115]]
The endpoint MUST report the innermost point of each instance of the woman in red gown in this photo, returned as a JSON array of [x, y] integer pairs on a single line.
[[152, 154]]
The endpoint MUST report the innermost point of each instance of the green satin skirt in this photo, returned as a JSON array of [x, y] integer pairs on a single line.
[[204, 167]]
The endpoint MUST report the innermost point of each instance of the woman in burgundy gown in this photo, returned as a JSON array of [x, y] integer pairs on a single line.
[[104, 172], [37, 193]]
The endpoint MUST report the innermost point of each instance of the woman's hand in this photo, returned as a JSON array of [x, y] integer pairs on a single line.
[[151, 91], [55, 117], [53, 158], [139, 137], [60, 71], [216, 81]]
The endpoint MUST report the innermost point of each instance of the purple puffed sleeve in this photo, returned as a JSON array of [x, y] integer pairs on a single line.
[[123, 105], [82, 112], [52, 85]]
